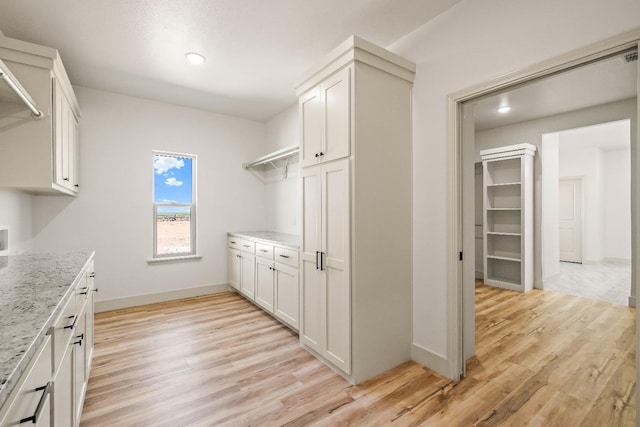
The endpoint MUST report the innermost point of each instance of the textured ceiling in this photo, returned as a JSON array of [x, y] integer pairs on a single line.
[[255, 49]]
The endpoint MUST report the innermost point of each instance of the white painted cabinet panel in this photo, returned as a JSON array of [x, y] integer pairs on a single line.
[[265, 283], [233, 267], [325, 112], [248, 275], [287, 295]]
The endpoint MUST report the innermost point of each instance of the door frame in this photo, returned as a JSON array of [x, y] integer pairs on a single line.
[[582, 205], [583, 56]]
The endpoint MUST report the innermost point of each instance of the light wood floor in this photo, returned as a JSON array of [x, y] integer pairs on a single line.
[[542, 359]]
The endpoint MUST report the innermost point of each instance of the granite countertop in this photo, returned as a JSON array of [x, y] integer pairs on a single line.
[[270, 237], [33, 291]]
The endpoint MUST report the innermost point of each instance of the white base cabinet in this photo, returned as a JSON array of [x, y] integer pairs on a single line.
[[355, 130], [266, 273], [51, 391]]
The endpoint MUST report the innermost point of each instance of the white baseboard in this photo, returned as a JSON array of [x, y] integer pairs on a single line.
[[136, 300], [623, 261], [431, 360], [632, 301]]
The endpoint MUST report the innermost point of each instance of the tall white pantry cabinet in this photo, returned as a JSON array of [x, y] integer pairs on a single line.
[[356, 254]]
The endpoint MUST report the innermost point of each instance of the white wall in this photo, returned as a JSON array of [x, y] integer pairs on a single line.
[[113, 213], [15, 212], [550, 239], [471, 43], [587, 163], [283, 195], [617, 204]]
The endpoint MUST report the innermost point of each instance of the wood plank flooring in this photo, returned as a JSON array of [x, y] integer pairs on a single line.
[[542, 359]]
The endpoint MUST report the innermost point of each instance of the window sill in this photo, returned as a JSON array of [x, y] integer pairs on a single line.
[[173, 259]]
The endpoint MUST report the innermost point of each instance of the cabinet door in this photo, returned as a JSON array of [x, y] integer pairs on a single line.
[[233, 267], [247, 275], [336, 262], [264, 284], [312, 313], [91, 274], [63, 397], [79, 364], [311, 129], [286, 294], [336, 104], [61, 122], [73, 150]]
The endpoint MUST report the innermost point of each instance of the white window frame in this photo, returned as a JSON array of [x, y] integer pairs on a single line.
[[193, 253]]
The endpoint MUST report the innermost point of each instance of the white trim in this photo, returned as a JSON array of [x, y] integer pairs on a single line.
[[136, 300], [434, 361], [576, 58], [174, 259], [632, 301]]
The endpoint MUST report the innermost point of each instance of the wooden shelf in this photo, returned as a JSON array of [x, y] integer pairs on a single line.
[[500, 233], [504, 209]]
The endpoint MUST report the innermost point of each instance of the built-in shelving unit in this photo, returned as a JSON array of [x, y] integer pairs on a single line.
[[508, 216]]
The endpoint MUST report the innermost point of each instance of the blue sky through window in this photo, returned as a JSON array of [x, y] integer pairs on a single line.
[[172, 179]]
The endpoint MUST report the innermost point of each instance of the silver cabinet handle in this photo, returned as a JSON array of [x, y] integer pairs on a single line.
[[285, 256]]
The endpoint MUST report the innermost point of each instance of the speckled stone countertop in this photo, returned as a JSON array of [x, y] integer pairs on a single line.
[[270, 237], [33, 291]]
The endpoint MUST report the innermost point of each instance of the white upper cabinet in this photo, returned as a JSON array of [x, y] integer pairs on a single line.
[[324, 111], [39, 156]]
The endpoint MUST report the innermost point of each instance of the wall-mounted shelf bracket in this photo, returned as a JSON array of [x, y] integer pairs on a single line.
[[16, 87], [276, 159]]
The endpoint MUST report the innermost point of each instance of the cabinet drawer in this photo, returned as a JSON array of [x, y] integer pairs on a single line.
[[234, 242], [241, 244], [63, 330], [32, 396], [247, 246], [286, 256], [264, 251]]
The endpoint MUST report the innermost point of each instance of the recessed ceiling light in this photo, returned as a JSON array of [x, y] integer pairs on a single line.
[[504, 109], [195, 58]]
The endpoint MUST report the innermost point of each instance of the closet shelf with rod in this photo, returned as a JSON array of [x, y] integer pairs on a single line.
[[16, 87], [275, 160]]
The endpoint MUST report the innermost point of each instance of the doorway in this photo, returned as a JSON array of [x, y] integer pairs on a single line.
[[462, 233]]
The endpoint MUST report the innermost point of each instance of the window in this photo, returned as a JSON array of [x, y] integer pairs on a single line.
[[174, 205]]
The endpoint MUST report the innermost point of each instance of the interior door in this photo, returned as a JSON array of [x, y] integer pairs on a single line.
[[570, 216], [335, 262]]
